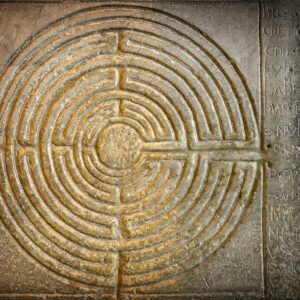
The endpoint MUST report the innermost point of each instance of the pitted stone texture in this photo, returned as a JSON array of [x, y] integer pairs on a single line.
[[118, 146], [130, 152]]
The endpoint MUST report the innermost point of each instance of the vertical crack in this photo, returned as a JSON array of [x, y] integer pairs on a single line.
[[119, 283], [123, 261]]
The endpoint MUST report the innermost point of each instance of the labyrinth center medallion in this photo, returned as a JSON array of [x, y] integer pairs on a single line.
[[130, 149]]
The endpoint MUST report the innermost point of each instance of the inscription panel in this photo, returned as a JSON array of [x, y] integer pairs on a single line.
[[281, 68], [131, 156]]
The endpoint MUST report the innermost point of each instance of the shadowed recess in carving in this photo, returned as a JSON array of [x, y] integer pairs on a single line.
[[111, 124]]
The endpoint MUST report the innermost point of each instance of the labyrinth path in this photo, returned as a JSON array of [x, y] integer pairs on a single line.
[[129, 147]]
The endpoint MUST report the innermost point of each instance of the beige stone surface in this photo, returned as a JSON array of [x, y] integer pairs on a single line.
[[133, 162]]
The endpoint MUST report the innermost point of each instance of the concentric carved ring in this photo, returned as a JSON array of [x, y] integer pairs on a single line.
[[118, 127]]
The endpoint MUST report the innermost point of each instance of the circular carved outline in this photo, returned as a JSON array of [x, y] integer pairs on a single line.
[[205, 178]]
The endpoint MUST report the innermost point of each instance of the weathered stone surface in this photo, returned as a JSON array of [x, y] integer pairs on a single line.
[[281, 70], [137, 150]]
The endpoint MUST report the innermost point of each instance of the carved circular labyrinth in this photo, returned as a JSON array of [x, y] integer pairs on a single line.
[[119, 159]]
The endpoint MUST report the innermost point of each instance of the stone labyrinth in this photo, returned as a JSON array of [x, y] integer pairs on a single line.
[[129, 147]]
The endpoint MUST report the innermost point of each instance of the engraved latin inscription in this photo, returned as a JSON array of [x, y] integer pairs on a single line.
[[130, 147]]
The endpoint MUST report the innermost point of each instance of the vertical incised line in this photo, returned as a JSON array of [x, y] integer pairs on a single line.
[[264, 228], [261, 66], [264, 195]]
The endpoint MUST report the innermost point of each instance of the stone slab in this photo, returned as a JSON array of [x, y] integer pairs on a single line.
[[147, 150]]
